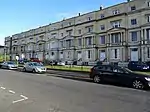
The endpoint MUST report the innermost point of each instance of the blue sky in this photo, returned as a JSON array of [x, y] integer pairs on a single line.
[[21, 15]]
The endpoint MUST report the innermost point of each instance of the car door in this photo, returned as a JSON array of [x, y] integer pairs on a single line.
[[121, 76], [108, 75], [28, 67], [4, 65]]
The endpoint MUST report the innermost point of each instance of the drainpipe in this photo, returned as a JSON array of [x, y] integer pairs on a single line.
[[10, 48]]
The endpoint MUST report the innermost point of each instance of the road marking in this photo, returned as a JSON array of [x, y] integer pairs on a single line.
[[18, 101], [3, 88], [11, 91], [24, 97]]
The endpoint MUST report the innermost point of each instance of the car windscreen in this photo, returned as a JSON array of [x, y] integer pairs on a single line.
[[11, 63], [37, 64]]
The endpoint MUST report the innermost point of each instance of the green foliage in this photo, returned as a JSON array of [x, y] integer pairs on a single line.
[[2, 57]]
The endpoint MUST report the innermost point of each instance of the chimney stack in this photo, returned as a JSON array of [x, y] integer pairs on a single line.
[[101, 7]]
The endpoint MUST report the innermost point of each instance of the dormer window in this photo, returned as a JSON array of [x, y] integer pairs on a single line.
[[115, 24], [133, 8], [69, 23], [102, 16], [115, 12], [89, 18]]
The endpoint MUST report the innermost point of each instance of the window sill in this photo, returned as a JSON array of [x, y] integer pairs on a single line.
[[114, 58], [102, 44]]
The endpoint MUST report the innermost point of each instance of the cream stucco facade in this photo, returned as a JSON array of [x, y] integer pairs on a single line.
[[117, 33]]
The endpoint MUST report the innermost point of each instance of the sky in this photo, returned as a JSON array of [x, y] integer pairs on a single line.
[[21, 15]]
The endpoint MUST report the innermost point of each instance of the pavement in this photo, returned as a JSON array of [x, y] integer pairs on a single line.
[[27, 92], [67, 74]]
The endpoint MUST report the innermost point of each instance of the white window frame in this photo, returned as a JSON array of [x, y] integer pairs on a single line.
[[89, 18], [48, 44], [100, 39], [88, 41], [116, 24], [148, 18], [61, 43], [89, 29], [102, 26], [102, 16], [135, 20], [81, 41], [113, 53], [113, 36], [132, 35], [79, 31], [115, 12], [79, 55], [148, 3], [132, 7], [100, 52]]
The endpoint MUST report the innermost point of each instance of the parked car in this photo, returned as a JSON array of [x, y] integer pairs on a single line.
[[148, 63], [53, 62], [116, 74], [9, 65], [35, 60], [22, 61], [61, 63], [34, 67], [138, 66]]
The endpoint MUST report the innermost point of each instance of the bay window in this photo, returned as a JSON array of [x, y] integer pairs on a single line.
[[102, 39], [115, 53], [88, 41], [115, 38]]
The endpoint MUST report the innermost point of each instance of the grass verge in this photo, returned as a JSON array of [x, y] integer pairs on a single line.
[[70, 68]]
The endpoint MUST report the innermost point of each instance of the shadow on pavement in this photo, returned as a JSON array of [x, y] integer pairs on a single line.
[[104, 83], [83, 79], [73, 78]]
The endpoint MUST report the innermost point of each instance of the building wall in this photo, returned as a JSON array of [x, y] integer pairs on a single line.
[[121, 20]]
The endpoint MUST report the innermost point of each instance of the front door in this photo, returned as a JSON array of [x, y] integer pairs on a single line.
[[134, 54], [102, 55]]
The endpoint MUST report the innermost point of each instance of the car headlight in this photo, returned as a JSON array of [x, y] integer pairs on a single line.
[[147, 78]]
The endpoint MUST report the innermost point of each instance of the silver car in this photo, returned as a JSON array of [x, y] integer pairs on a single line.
[[34, 67], [9, 65]]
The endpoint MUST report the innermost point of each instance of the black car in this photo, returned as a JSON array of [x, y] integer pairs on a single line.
[[148, 63], [116, 74], [138, 66]]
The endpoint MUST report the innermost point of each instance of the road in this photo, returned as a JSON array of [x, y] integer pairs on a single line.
[[27, 92]]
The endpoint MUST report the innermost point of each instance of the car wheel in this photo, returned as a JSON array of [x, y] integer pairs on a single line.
[[33, 71], [137, 84], [97, 79]]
